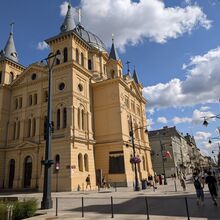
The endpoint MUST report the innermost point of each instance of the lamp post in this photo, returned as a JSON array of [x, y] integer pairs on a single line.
[[131, 133], [46, 202]]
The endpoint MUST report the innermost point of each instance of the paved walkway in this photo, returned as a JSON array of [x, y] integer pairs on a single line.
[[164, 203]]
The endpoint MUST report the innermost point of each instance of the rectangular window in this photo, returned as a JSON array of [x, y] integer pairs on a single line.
[[0, 77], [116, 162]]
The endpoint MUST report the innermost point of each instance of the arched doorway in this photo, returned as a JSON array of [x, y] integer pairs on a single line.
[[27, 172], [11, 173]]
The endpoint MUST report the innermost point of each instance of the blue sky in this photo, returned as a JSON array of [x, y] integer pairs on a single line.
[[174, 44]]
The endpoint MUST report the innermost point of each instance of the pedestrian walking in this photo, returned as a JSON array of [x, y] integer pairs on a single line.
[[213, 188], [199, 186], [182, 182], [88, 182]]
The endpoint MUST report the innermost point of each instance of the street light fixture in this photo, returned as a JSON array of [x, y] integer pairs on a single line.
[[205, 122], [46, 202], [131, 133]]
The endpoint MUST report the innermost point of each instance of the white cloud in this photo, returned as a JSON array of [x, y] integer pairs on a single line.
[[132, 22], [150, 123], [204, 108], [162, 120], [178, 120], [200, 86], [202, 136], [42, 46], [198, 116], [63, 8]]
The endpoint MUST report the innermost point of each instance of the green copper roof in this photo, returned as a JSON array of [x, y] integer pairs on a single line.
[[69, 23]]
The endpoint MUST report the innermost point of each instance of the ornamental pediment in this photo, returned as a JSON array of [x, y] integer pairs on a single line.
[[31, 75]]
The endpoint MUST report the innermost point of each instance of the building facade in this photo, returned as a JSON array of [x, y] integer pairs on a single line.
[[169, 151], [93, 105]]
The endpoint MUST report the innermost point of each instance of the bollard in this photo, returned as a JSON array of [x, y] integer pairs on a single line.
[[187, 208], [147, 208], [175, 185], [112, 207], [115, 187], [82, 207], [56, 206]]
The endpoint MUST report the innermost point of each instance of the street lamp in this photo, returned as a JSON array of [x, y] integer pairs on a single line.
[[131, 133], [205, 122], [46, 202], [213, 138]]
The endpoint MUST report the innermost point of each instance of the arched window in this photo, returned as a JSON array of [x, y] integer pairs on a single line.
[[82, 59], [11, 173], [77, 55], [35, 99], [16, 103], [27, 171], [65, 55], [58, 60], [58, 119], [86, 162], [45, 96], [33, 127], [57, 163], [90, 64], [64, 118], [14, 131], [136, 131], [80, 162], [144, 165], [20, 102], [11, 77], [83, 120], [29, 127], [18, 129], [30, 100], [112, 74], [79, 118]]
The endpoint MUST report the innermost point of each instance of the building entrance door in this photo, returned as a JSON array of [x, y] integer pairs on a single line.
[[27, 172], [11, 173]]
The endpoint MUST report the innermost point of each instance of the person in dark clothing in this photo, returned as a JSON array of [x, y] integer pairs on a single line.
[[212, 185], [199, 185]]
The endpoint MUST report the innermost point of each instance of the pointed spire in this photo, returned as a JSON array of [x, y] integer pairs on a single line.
[[135, 76], [10, 51], [69, 23], [113, 53]]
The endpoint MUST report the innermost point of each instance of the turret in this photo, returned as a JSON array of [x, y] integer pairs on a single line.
[[114, 65]]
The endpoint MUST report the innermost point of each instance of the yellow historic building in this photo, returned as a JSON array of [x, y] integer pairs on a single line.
[[93, 104]]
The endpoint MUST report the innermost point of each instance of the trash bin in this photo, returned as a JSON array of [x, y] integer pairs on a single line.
[[144, 184]]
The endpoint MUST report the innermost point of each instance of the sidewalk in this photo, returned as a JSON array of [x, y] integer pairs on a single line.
[[164, 204]]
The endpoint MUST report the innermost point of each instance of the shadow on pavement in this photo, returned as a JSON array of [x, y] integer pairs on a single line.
[[160, 206]]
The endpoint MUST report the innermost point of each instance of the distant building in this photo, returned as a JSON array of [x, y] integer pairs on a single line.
[[93, 106], [170, 146]]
